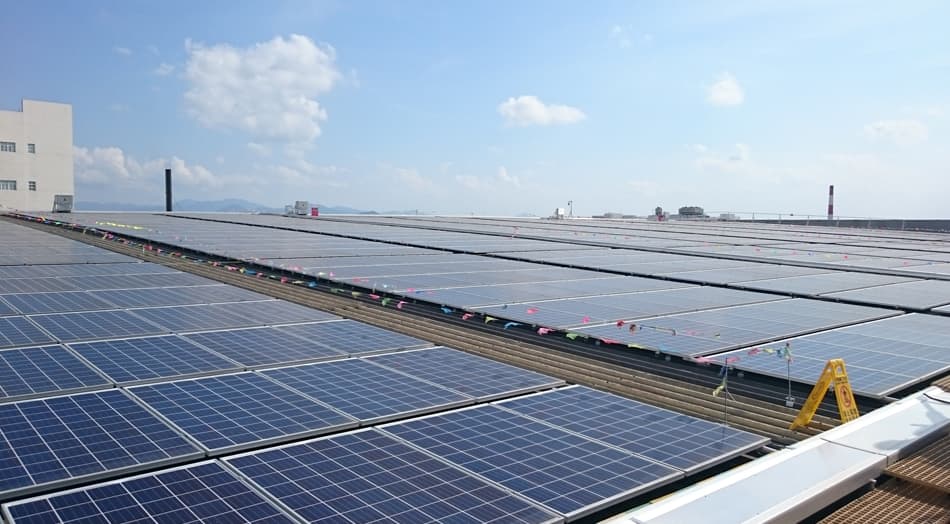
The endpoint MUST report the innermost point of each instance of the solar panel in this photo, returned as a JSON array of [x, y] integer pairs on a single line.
[[365, 391], [94, 325], [19, 331], [918, 294], [34, 285], [180, 319], [58, 302], [566, 472], [265, 346], [63, 440], [677, 440], [468, 374], [231, 412], [882, 357], [711, 331], [367, 476], [151, 358], [139, 281], [204, 493], [6, 309], [31, 372], [354, 338], [177, 296]]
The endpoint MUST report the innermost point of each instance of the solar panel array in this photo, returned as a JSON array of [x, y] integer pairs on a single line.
[[711, 290], [29, 372], [228, 412], [465, 373], [368, 476], [678, 440], [881, 357], [203, 493], [365, 391], [566, 472], [868, 267], [61, 440], [146, 359]]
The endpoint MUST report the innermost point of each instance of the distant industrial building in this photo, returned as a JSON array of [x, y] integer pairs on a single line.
[[36, 155]]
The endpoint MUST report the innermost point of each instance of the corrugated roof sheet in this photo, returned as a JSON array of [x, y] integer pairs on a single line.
[[896, 502], [928, 467]]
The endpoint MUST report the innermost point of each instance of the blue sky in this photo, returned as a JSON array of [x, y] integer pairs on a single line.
[[499, 107]]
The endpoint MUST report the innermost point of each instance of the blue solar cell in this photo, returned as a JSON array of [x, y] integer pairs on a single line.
[[365, 391], [28, 372], [19, 331], [61, 302], [230, 412], [95, 325], [180, 319], [678, 440], [469, 374], [256, 347], [203, 493], [64, 440], [366, 476], [354, 338], [566, 472], [150, 358]]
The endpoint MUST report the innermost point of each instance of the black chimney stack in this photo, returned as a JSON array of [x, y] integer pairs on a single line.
[[168, 190]]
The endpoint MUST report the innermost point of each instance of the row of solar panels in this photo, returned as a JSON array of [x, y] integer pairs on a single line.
[[546, 457], [63, 439], [37, 371], [826, 248], [672, 318]]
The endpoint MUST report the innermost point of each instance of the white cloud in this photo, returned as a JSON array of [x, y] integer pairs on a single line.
[[124, 51], [152, 49], [119, 108], [726, 91], [163, 69], [258, 149], [505, 178], [501, 178], [901, 132], [529, 110], [267, 90], [405, 176], [110, 166]]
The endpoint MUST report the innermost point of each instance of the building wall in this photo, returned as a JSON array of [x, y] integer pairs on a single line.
[[49, 126]]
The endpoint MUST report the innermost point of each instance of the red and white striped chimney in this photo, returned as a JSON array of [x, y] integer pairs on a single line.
[[831, 202]]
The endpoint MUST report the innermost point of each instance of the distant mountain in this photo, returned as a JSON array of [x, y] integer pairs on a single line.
[[228, 205]]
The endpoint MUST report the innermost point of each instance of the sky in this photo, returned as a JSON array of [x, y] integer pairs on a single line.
[[496, 107]]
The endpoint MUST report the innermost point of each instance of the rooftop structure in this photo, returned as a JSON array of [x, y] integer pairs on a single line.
[[36, 155]]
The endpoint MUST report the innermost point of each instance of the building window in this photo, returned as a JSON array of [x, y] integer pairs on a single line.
[[8, 147], [31, 185], [7, 185], [31, 148]]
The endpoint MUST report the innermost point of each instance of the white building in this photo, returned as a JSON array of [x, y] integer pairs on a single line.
[[36, 155]]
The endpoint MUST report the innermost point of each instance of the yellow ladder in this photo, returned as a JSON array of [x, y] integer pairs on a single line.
[[834, 373]]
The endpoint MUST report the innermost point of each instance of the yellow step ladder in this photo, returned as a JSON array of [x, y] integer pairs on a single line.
[[836, 374]]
